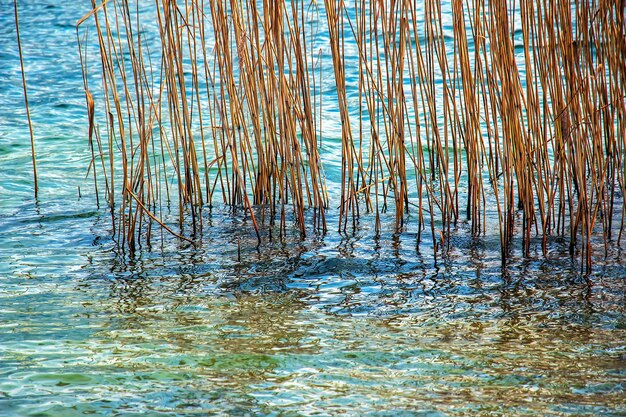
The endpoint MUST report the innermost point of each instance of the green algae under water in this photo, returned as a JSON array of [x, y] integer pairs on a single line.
[[342, 324]]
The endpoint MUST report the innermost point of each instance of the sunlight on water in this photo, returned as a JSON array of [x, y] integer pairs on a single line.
[[336, 324]]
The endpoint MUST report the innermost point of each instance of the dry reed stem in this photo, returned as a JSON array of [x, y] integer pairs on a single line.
[[24, 89]]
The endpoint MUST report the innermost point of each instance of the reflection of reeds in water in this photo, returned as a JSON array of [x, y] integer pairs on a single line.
[[526, 122]]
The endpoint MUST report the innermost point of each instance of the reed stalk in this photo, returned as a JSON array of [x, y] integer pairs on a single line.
[[25, 90]]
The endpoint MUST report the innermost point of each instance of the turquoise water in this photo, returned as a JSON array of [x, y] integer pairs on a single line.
[[338, 324]]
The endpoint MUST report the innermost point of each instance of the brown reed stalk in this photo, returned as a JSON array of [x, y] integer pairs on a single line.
[[349, 202], [24, 89]]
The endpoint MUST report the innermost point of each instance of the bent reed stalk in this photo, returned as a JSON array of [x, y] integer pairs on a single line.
[[511, 113]]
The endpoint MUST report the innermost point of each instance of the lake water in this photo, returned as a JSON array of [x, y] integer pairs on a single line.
[[353, 323]]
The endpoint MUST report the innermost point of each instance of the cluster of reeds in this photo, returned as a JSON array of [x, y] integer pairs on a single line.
[[226, 111], [466, 111]]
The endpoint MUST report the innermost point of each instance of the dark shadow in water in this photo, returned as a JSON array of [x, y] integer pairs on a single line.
[[367, 273]]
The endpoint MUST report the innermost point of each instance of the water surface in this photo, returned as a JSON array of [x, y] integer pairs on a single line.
[[354, 323]]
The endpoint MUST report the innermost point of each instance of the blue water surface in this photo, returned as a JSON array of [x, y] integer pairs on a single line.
[[356, 323]]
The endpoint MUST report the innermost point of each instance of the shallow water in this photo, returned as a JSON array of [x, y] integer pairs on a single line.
[[337, 324]]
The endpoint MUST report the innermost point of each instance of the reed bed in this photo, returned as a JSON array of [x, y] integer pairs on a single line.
[[480, 112]]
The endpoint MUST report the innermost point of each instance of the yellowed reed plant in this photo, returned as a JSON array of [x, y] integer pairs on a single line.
[[482, 112]]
